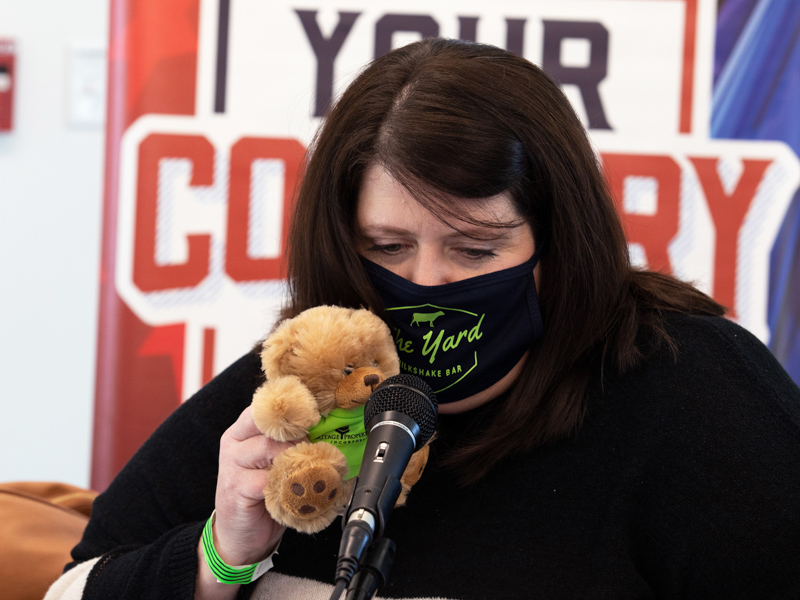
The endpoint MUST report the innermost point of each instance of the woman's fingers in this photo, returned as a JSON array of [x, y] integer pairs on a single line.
[[245, 446], [250, 485], [256, 452], [244, 427]]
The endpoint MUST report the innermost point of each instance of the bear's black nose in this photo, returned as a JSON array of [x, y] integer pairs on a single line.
[[370, 380]]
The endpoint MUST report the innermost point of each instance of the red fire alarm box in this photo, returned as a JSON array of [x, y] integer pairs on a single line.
[[6, 83]]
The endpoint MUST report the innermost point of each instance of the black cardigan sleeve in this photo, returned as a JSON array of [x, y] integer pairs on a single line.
[[146, 525]]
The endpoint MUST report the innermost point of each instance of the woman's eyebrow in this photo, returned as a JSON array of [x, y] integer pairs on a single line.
[[381, 229], [468, 231], [485, 232]]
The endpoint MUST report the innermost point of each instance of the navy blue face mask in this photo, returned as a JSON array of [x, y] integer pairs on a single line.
[[461, 337]]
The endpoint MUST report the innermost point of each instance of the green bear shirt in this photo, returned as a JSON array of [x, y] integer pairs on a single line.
[[343, 428]]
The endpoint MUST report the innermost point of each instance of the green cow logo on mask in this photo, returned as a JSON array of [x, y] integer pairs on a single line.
[[425, 317], [435, 342]]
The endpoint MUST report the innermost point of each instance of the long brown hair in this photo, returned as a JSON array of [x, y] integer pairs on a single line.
[[459, 120]]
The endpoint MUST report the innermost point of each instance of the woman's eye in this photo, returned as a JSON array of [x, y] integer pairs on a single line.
[[386, 248], [478, 254]]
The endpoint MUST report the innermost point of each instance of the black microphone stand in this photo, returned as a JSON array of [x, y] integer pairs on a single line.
[[373, 572]]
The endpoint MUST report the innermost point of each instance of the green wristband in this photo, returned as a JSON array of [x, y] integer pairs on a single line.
[[223, 572]]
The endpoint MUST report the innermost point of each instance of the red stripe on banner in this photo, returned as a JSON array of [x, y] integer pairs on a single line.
[[151, 69], [167, 340], [687, 85], [140, 387], [160, 51], [209, 339]]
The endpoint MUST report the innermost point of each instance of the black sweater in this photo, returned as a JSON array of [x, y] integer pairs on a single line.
[[682, 482]]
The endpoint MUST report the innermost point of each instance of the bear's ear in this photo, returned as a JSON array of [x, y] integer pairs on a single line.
[[378, 337], [276, 348]]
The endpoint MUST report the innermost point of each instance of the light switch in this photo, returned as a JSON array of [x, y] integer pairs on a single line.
[[87, 85]]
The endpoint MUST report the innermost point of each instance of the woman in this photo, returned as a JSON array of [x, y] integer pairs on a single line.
[[612, 438]]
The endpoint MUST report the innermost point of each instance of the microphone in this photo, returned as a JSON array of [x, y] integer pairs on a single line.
[[400, 418]]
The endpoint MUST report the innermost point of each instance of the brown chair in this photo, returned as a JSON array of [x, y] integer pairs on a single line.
[[40, 522]]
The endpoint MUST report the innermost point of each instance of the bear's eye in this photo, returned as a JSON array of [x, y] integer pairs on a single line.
[[375, 363], [348, 369]]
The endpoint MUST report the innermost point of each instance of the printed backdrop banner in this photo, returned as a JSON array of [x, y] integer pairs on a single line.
[[212, 104]]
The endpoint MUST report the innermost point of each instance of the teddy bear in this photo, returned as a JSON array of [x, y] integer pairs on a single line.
[[321, 367]]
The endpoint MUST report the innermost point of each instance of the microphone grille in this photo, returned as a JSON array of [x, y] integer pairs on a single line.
[[409, 395]]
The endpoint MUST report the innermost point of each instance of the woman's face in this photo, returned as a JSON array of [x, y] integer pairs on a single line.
[[399, 234]]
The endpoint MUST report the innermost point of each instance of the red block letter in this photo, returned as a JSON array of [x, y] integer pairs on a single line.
[[238, 264], [653, 232], [147, 275], [728, 212]]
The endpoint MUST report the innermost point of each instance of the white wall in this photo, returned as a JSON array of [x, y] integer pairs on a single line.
[[50, 227]]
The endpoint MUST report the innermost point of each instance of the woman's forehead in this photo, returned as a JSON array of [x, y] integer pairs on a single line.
[[382, 200]]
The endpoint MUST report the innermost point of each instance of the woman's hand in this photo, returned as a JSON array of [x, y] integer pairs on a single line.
[[244, 532]]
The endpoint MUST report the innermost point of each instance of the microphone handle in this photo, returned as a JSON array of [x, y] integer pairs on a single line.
[[391, 441]]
